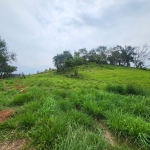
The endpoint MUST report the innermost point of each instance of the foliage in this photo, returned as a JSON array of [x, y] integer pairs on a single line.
[[102, 55], [141, 56], [5, 58], [64, 60]]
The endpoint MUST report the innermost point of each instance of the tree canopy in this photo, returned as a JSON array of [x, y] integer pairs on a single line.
[[102, 55], [6, 58]]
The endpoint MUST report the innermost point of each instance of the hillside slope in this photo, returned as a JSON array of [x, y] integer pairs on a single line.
[[104, 107]]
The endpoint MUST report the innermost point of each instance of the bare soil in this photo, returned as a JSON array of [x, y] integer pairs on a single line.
[[5, 114], [108, 135], [16, 145], [21, 89]]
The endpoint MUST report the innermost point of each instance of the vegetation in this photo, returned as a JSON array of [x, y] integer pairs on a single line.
[[57, 111], [5, 58], [101, 55]]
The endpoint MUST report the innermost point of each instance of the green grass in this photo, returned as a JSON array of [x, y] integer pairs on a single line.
[[128, 89], [54, 111]]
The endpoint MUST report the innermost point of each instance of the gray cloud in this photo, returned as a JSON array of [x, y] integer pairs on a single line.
[[37, 30]]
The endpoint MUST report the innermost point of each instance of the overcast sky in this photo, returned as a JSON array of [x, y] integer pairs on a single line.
[[36, 30]]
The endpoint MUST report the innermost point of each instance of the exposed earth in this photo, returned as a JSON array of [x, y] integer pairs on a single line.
[[5, 114]]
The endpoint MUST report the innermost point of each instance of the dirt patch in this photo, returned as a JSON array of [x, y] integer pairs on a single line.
[[16, 145], [21, 89], [7, 88], [5, 114], [109, 137]]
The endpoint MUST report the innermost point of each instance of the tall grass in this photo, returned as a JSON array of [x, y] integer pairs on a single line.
[[57, 112], [128, 89], [132, 128], [82, 139], [92, 109]]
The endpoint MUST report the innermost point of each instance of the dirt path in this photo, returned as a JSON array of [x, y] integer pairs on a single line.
[[108, 135], [5, 114]]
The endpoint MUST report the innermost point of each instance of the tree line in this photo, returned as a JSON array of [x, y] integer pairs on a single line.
[[102, 55], [6, 59]]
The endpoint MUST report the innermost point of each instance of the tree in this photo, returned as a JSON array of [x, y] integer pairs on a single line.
[[141, 55], [92, 55], [127, 54], [120, 55], [114, 58], [58, 61], [78, 59], [67, 59], [84, 54], [64, 60], [6, 57], [9, 69], [101, 56]]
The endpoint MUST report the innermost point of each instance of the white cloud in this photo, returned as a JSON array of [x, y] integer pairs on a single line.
[[37, 30]]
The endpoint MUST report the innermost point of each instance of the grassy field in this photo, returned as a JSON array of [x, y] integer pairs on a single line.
[[104, 108]]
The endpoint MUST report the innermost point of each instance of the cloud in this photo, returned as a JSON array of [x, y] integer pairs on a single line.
[[37, 30]]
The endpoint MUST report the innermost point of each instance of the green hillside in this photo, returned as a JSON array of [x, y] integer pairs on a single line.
[[104, 107]]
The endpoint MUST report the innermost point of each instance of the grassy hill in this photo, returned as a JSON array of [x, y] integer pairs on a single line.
[[104, 108]]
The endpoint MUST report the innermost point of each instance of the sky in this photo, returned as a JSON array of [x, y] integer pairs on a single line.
[[38, 30]]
